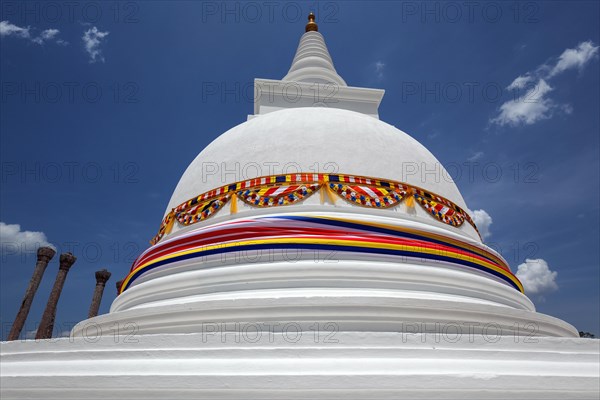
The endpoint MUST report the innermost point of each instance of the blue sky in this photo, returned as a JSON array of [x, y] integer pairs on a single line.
[[103, 108]]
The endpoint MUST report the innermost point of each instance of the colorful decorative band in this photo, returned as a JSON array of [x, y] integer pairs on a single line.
[[270, 196], [283, 190], [303, 232]]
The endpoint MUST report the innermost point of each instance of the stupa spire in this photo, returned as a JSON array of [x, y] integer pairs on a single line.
[[312, 62], [311, 25]]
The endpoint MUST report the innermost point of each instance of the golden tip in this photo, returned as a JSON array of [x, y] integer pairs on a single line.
[[312, 25]]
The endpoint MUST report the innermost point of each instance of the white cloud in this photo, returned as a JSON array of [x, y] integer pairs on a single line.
[[46, 35], [520, 82], [49, 34], [476, 156], [535, 105], [379, 67], [92, 39], [13, 240], [433, 135], [536, 277], [8, 29], [530, 108], [575, 58], [483, 221]]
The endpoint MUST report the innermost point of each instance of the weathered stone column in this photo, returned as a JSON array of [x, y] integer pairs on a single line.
[[118, 285], [47, 324], [44, 255], [101, 277]]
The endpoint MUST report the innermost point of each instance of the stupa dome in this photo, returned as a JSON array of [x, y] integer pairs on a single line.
[[320, 140]]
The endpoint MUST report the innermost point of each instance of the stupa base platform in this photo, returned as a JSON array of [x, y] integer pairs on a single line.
[[319, 364]]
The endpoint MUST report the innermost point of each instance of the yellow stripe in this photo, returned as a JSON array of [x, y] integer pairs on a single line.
[[345, 243], [422, 233]]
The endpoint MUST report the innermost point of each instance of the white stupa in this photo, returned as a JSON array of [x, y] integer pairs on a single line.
[[310, 252]]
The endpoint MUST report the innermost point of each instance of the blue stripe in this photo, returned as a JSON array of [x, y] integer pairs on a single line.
[[377, 229], [308, 246]]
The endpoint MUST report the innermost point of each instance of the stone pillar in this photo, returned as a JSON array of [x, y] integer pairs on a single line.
[[119, 284], [47, 324], [44, 255], [101, 277]]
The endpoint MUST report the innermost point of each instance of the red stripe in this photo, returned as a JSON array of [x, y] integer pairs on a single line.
[[234, 234], [270, 191]]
